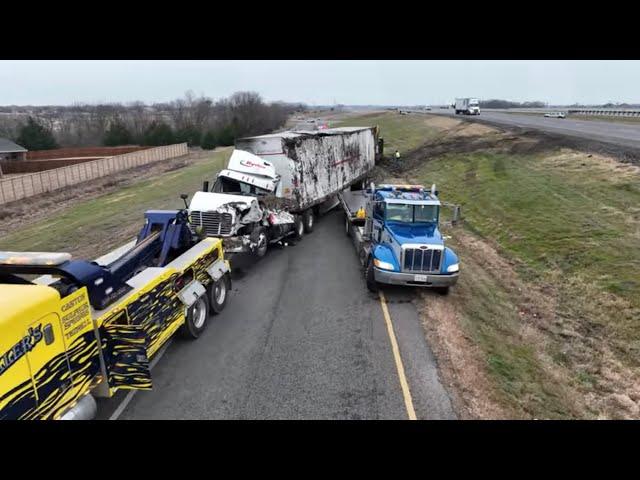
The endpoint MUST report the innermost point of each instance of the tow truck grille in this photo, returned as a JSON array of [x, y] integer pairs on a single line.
[[214, 223], [422, 260]]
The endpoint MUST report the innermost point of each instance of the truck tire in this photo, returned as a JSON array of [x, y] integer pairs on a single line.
[[259, 237], [308, 220], [298, 227], [347, 225], [219, 293], [196, 318], [372, 285]]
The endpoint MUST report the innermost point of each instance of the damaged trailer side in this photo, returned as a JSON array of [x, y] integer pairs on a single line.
[[275, 184]]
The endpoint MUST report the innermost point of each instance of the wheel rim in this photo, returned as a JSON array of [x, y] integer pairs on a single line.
[[220, 292], [199, 313], [310, 221], [300, 229]]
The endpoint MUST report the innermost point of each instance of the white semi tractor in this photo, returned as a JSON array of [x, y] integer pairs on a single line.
[[276, 184], [467, 106]]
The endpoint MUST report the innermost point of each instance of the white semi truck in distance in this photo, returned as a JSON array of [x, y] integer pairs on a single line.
[[467, 106]]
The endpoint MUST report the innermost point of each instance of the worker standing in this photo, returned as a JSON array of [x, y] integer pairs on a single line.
[[397, 155]]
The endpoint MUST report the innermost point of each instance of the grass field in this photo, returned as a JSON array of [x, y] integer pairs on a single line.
[[94, 226], [402, 132]]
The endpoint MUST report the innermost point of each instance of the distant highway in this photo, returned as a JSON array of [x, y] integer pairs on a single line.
[[611, 132]]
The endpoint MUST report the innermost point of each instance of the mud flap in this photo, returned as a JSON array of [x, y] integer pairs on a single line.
[[125, 355]]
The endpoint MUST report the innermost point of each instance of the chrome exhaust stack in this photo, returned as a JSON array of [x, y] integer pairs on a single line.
[[85, 409]]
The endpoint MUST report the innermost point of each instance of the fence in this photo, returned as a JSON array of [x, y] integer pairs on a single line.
[[23, 186], [81, 152]]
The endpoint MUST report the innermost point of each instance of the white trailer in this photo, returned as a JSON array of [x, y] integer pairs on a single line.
[[275, 184], [467, 106]]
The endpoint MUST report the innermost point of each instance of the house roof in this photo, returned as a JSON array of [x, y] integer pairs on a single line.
[[7, 146]]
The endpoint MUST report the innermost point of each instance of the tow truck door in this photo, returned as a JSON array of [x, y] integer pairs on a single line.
[[125, 356]]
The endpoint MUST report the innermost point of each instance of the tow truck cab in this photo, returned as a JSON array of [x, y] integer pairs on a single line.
[[407, 246]]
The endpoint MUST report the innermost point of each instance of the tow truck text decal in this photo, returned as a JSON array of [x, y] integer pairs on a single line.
[[20, 349]]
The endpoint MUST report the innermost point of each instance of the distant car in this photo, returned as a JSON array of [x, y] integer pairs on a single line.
[[554, 115]]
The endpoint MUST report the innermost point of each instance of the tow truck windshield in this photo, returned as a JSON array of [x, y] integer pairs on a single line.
[[409, 213]]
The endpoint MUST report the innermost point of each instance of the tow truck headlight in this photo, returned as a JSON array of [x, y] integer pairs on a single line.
[[453, 268], [383, 265]]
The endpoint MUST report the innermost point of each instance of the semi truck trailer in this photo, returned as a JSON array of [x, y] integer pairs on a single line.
[[395, 231], [72, 330], [467, 106], [275, 185]]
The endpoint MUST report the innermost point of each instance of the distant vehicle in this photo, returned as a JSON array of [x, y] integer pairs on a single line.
[[555, 115], [427, 108], [467, 106]]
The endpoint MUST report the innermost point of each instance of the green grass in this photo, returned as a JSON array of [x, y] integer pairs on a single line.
[[102, 219], [551, 215], [568, 221], [402, 132]]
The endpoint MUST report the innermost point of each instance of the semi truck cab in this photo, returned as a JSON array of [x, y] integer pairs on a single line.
[[395, 228]]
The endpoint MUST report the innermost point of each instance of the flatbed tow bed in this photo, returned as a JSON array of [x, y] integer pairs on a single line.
[[352, 202]]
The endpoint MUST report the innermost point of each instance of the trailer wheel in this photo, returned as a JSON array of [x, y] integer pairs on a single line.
[[219, 293], [308, 220], [196, 318], [372, 285], [299, 227]]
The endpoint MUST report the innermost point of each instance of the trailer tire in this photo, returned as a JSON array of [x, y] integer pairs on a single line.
[[372, 285], [298, 225], [308, 220], [219, 293], [196, 318]]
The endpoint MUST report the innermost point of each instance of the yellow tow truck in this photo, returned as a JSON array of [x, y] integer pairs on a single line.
[[72, 330]]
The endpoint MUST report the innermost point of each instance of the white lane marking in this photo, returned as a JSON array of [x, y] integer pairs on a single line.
[[116, 414]]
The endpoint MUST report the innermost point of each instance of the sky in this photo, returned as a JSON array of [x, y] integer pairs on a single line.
[[315, 82]]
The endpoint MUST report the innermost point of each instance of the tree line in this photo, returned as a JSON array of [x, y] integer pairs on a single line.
[[495, 103], [196, 120]]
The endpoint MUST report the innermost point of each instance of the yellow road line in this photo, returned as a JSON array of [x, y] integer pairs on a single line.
[[408, 402]]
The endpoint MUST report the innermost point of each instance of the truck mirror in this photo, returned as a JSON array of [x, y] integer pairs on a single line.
[[184, 197], [205, 186]]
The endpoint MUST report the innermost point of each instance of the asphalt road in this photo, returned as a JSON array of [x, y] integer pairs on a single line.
[[300, 338], [617, 133]]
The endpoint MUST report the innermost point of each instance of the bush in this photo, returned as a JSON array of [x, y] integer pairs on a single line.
[[35, 136], [117, 134], [158, 133], [209, 141], [226, 136]]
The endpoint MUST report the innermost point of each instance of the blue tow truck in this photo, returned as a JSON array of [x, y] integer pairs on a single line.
[[395, 231]]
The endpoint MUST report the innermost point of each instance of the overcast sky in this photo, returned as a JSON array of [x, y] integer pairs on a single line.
[[320, 82]]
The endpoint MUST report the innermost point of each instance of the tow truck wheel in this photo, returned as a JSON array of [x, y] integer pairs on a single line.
[[372, 285], [346, 225], [308, 220], [196, 320], [218, 293]]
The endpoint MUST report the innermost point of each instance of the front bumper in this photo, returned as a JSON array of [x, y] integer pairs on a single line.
[[399, 278], [239, 244]]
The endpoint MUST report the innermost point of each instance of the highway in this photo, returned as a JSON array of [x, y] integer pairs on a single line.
[[609, 132], [301, 338]]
